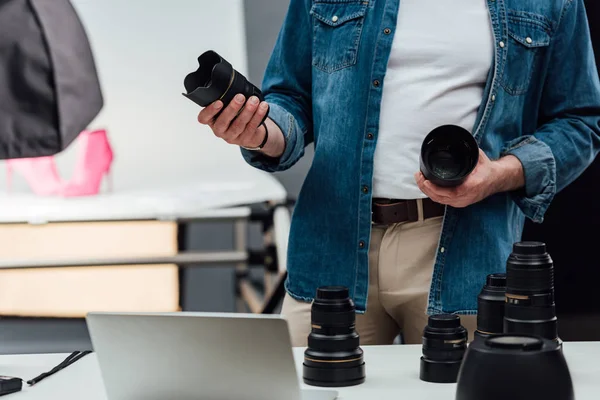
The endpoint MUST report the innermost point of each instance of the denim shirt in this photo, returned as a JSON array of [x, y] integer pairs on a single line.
[[324, 85]]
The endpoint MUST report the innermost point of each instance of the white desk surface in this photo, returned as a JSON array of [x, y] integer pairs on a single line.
[[186, 198], [392, 372]]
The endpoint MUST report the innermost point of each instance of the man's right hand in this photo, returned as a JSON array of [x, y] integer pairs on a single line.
[[245, 129]]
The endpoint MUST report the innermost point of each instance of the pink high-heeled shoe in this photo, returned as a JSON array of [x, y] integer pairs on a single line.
[[93, 164], [40, 173]]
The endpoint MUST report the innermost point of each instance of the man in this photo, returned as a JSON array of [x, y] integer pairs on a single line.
[[365, 81]]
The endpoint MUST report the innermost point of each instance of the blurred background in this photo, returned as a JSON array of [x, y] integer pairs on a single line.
[[144, 49]]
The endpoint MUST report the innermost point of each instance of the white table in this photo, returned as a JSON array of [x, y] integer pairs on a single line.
[[392, 373], [202, 195]]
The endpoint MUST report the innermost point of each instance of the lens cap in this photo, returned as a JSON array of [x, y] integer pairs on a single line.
[[332, 293], [449, 154], [496, 281], [529, 248]]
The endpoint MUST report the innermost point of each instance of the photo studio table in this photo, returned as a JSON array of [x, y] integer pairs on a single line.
[[240, 197], [392, 373]]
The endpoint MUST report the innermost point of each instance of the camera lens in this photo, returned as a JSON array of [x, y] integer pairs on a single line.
[[333, 357], [444, 345], [216, 79], [448, 155], [534, 367], [490, 306], [529, 307]]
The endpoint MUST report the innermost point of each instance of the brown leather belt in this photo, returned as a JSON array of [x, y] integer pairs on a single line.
[[389, 211]]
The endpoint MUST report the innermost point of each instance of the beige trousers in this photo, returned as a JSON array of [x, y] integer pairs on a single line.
[[401, 259]]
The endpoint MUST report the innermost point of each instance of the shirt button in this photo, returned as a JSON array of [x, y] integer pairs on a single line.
[[365, 189], [370, 136], [376, 83], [387, 31], [361, 244], [442, 250], [335, 18], [529, 40], [493, 97], [501, 44]]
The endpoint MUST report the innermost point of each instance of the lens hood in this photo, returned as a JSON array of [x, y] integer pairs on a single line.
[[448, 155], [515, 367], [216, 79], [210, 81]]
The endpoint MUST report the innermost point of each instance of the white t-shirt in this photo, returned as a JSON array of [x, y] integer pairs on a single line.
[[441, 56]]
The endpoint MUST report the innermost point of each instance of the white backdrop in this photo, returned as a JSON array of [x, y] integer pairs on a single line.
[[143, 50]]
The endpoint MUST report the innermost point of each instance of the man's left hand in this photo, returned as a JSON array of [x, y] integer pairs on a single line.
[[488, 178]]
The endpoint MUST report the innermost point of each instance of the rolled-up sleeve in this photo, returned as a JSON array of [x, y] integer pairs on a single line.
[[539, 167], [294, 147], [287, 87], [568, 139]]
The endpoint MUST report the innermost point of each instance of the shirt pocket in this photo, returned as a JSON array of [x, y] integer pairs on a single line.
[[338, 26], [529, 37]]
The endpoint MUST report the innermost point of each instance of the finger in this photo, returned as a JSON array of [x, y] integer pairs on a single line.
[[425, 189], [255, 138], [253, 126], [419, 178], [207, 114], [222, 123], [482, 156], [239, 123], [433, 196], [440, 192]]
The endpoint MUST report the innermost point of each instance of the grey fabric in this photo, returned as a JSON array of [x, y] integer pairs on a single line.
[[49, 86]]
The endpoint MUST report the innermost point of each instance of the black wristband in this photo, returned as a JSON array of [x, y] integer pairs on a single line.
[[264, 142]]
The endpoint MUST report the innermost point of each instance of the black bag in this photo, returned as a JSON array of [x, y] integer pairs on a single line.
[[49, 87]]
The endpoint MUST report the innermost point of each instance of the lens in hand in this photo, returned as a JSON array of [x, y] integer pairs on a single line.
[[333, 357], [530, 307], [515, 367], [448, 155], [490, 306], [444, 345], [216, 79]]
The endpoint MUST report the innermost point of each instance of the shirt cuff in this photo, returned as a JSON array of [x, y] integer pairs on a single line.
[[293, 147], [539, 167]]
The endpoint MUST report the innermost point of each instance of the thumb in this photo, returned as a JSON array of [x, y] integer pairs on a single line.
[[483, 157]]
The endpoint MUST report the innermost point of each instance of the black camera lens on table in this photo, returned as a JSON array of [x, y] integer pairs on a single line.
[[333, 357], [448, 155], [530, 307], [444, 345], [216, 79], [490, 307], [515, 367]]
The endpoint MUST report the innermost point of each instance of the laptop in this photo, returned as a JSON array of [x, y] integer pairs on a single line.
[[197, 356]]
